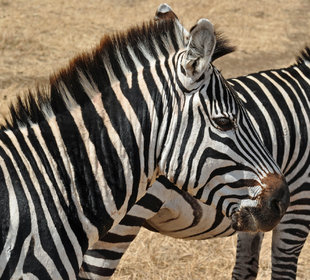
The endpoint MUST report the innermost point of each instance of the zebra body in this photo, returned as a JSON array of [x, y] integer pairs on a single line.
[[282, 119], [278, 104], [77, 155], [164, 209]]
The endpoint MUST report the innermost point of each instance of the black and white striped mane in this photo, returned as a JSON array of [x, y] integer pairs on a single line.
[[32, 107], [303, 56]]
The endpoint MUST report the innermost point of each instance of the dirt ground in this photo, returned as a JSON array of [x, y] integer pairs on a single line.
[[39, 36]]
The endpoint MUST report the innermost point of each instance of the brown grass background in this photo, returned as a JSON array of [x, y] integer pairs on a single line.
[[39, 36]]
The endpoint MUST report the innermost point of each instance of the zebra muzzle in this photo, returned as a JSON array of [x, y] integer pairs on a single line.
[[271, 206]]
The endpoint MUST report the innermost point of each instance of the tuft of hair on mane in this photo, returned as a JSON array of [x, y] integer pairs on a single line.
[[222, 46], [303, 56], [51, 99], [31, 107]]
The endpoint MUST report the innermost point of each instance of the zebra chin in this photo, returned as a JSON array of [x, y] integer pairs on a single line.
[[270, 207]]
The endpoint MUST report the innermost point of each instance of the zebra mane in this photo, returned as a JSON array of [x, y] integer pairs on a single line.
[[303, 56], [222, 46], [65, 89]]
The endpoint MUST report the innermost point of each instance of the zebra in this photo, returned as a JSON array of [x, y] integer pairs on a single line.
[[281, 92], [102, 254], [277, 102], [79, 153], [282, 119]]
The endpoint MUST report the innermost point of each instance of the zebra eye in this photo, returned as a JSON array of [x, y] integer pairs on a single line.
[[224, 123]]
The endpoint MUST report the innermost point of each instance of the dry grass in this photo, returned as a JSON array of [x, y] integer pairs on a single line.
[[39, 36]]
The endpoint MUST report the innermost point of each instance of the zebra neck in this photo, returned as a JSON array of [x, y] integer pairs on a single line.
[[93, 160], [95, 142], [109, 148], [110, 145]]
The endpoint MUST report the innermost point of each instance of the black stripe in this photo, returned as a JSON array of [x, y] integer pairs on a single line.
[[169, 111], [70, 210], [176, 97], [48, 198], [218, 99], [195, 149], [5, 215], [255, 152], [102, 271], [150, 202], [24, 226], [185, 139], [134, 221], [284, 107], [44, 231], [113, 164], [106, 154], [254, 110], [85, 182], [296, 232], [168, 88], [115, 238], [303, 120], [33, 265], [104, 254]]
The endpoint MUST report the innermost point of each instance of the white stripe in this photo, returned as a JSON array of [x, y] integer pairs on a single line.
[[52, 228], [123, 230], [256, 126], [282, 118], [101, 262], [131, 116], [39, 252], [97, 170], [70, 102], [29, 276], [119, 247], [301, 162], [20, 264], [62, 215], [88, 228], [107, 195], [14, 219]]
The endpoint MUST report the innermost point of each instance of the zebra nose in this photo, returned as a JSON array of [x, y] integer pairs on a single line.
[[275, 199], [272, 204], [276, 194], [279, 200]]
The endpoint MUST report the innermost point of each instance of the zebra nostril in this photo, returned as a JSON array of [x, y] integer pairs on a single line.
[[276, 206]]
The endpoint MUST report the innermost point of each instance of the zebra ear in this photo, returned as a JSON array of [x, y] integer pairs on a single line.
[[165, 12], [200, 49]]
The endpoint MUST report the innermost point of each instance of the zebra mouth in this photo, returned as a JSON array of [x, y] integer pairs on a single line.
[[244, 220]]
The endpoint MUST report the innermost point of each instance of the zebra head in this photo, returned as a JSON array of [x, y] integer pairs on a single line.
[[215, 154]]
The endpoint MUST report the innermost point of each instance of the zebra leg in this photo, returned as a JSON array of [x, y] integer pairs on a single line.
[[101, 260], [248, 248], [287, 242]]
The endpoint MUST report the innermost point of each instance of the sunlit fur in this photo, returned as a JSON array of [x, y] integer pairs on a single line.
[[78, 153], [172, 212]]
